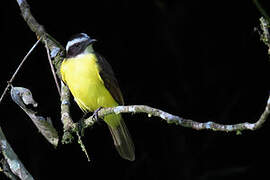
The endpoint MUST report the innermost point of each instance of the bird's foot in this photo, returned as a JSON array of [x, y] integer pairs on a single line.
[[85, 116], [95, 114]]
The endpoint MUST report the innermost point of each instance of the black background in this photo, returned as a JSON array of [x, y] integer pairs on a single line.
[[196, 59]]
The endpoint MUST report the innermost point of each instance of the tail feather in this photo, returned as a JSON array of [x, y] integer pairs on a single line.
[[122, 140]]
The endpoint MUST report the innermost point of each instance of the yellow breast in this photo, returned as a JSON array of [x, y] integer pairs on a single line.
[[81, 74]]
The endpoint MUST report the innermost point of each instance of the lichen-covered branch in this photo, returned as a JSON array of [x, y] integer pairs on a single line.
[[170, 118], [56, 52], [65, 114], [265, 36], [6, 170], [36, 27], [12, 160]]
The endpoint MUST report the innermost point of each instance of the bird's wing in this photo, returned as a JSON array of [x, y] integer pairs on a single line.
[[109, 79]]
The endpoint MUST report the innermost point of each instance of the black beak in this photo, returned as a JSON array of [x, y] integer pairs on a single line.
[[90, 41]]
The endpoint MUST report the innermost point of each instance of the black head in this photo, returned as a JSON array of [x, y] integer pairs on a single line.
[[77, 44]]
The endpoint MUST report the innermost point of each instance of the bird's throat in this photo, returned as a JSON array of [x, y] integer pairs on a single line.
[[89, 49]]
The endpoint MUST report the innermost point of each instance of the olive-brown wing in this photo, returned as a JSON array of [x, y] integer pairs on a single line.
[[108, 77]]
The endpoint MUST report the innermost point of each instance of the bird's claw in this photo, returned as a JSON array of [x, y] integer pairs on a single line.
[[95, 114]]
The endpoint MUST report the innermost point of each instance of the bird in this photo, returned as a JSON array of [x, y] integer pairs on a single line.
[[93, 84]]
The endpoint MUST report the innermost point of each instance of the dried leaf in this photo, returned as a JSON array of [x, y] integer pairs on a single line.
[[23, 97]]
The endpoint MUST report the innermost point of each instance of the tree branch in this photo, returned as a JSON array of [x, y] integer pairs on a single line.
[[65, 115], [14, 164], [7, 171], [265, 36], [57, 53], [173, 119], [37, 28]]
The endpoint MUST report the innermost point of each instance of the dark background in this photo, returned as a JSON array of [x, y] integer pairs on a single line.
[[196, 59]]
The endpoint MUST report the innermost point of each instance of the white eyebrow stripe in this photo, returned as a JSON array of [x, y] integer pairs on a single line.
[[74, 41]]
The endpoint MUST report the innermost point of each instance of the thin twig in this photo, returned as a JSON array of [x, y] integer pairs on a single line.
[[82, 146], [52, 68], [260, 8], [18, 68]]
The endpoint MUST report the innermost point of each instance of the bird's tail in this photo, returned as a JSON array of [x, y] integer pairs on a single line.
[[121, 136]]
